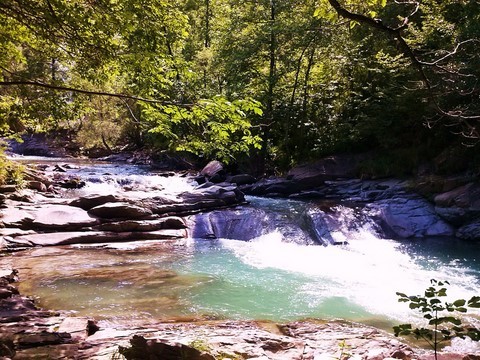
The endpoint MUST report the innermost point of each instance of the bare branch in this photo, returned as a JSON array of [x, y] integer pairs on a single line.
[[449, 54]]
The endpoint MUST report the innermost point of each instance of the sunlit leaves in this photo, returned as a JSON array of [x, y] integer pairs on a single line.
[[214, 128], [442, 327]]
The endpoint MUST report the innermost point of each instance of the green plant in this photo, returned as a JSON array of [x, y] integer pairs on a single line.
[[344, 350], [442, 325], [11, 172]]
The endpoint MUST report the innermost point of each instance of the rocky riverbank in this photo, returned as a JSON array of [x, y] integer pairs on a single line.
[[42, 216]]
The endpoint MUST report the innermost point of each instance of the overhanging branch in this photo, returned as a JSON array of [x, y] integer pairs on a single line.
[[88, 92], [394, 33]]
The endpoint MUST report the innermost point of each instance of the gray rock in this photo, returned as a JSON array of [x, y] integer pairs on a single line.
[[410, 217], [120, 210], [61, 217], [144, 225], [212, 168], [241, 179], [470, 231], [16, 217], [264, 187], [466, 196], [37, 185], [89, 201], [330, 168], [95, 237], [239, 224]]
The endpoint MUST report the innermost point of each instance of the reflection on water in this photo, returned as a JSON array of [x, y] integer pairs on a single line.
[[262, 279]]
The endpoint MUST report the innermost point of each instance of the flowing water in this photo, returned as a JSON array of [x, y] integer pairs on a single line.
[[271, 277]]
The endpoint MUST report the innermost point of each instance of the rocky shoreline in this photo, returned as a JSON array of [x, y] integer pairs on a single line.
[[38, 216]]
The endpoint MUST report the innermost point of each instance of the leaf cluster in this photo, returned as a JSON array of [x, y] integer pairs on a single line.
[[442, 322]]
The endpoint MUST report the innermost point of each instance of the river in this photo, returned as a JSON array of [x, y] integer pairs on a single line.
[[274, 277]]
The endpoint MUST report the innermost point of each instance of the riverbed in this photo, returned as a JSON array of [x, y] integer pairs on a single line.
[[276, 276]]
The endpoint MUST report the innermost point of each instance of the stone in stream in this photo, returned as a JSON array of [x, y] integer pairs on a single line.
[[171, 222], [409, 217], [46, 217], [90, 201], [95, 237], [61, 217], [120, 210]]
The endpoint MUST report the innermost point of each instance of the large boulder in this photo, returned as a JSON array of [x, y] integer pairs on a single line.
[[47, 217], [330, 168], [214, 172], [409, 217], [470, 231], [460, 205], [62, 217], [238, 224]]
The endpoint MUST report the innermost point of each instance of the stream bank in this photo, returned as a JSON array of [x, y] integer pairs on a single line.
[[42, 218]]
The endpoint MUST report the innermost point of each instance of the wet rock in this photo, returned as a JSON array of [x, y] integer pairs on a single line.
[[213, 172], [470, 231], [72, 183], [144, 225], [240, 224], [410, 217], [120, 210], [61, 217], [60, 168], [95, 237], [92, 327], [89, 201]]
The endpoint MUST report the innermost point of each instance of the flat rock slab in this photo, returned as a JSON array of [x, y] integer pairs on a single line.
[[90, 201], [120, 210], [61, 217], [13, 217], [171, 222], [94, 237], [48, 216]]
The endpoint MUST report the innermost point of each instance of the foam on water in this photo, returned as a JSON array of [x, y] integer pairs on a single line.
[[366, 273]]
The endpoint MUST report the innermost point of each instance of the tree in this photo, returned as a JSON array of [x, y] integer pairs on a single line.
[[59, 53], [439, 39]]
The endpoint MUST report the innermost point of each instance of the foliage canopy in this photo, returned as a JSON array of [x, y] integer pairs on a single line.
[[289, 80]]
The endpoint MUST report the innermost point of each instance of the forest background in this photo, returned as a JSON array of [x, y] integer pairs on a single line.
[[268, 83]]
